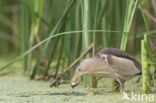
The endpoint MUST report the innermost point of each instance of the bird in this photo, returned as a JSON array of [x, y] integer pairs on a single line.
[[108, 63]]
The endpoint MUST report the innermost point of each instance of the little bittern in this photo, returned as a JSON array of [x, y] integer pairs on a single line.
[[109, 63]]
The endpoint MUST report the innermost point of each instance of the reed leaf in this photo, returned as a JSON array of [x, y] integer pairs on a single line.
[[52, 33], [152, 34], [130, 12], [24, 20]]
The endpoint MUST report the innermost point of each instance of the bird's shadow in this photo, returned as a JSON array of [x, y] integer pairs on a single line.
[[73, 93]]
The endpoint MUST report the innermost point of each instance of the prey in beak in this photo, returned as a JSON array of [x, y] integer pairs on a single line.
[[76, 77]]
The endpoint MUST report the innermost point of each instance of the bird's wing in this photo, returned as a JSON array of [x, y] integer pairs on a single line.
[[119, 53], [123, 66]]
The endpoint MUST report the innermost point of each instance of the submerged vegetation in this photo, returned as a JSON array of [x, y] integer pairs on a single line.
[[50, 36]]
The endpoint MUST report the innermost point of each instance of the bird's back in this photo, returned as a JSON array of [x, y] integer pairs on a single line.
[[119, 53]]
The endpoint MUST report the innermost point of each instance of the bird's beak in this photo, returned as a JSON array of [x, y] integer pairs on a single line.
[[76, 79]]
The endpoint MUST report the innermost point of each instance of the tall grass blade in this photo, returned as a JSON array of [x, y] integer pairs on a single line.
[[152, 34], [52, 33], [144, 67], [86, 37], [38, 6], [130, 12], [24, 19]]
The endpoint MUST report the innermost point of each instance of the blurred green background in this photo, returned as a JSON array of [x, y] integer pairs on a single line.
[[25, 23]]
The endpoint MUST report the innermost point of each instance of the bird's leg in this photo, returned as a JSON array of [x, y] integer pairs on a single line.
[[94, 82], [121, 82], [115, 86]]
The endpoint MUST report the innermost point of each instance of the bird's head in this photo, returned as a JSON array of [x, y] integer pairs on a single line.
[[76, 77], [88, 66]]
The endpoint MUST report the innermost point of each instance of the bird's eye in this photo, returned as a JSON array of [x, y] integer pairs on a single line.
[[79, 69]]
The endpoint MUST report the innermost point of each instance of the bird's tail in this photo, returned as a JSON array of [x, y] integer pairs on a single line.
[[140, 75]]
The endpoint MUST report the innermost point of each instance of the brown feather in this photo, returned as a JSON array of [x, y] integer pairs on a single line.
[[119, 53]]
